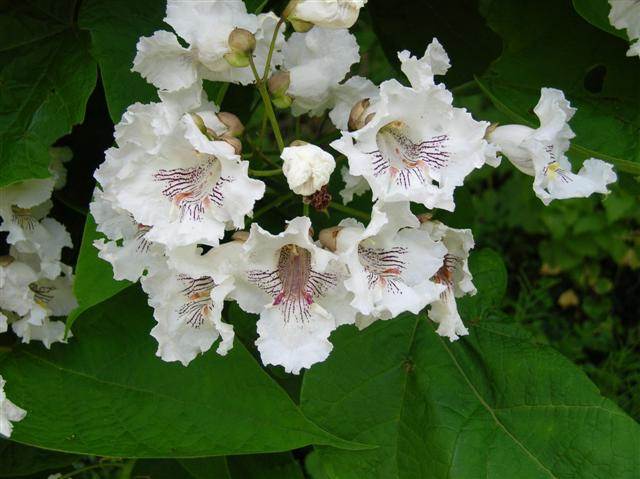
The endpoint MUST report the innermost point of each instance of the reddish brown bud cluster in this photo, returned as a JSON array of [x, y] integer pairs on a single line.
[[320, 199]]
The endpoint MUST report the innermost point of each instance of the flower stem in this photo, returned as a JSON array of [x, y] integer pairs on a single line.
[[221, 94], [272, 46], [274, 204], [305, 209], [263, 173], [268, 108], [350, 211]]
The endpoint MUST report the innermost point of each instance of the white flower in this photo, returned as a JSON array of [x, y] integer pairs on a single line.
[[346, 95], [307, 168], [327, 13], [188, 190], [541, 152], [390, 262], [416, 146], [296, 288], [626, 14], [9, 412], [15, 278], [205, 26], [187, 309], [454, 274], [126, 247], [353, 185], [317, 61], [31, 233]]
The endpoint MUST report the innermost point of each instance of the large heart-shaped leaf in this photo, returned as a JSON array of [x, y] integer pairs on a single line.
[[105, 393], [47, 76], [492, 405]]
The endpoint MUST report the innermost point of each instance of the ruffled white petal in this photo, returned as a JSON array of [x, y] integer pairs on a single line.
[[9, 412], [163, 62]]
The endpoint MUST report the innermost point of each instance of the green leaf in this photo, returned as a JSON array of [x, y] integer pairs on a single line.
[[19, 460], [494, 404], [490, 276], [94, 281], [556, 48], [105, 393], [46, 78], [596, 12], [115, 28]]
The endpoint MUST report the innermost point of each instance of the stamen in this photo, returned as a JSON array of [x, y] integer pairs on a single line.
[[194, 189], [383, 267], [198, 305], [293, 285], [553, 168], [405, 159]]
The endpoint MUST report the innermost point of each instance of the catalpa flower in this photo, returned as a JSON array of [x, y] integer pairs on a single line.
[[296, 287], [9, 412], [126, 247], [325, 13], [188, 192], [317, 61], [415, 145], [453, 274], [205, 26], [540, 152], [390, 262], [625, 14], [187, 309]]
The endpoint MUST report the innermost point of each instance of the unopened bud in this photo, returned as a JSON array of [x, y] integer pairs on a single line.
[[240, 236], [298, 143], [279, 82], [329, 237], [237, 59], [232, 122], [242, 41], [357, 115], [300, 26], [6, 260], [234, 142]]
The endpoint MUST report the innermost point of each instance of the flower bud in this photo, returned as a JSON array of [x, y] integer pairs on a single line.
[[327, 14], [329, 237], [232, 122], [278, 84], [236, 59], [357, 116], [242, 41], [234, 142], [424, 217], [306, 167]]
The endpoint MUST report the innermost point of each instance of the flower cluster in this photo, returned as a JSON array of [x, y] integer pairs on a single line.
[[176, 195], [35, 284]]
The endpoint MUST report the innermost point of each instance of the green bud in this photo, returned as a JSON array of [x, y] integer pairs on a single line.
[[242, 41], [237, 59]]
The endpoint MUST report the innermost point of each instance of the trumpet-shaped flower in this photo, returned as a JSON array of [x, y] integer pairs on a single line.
[[126, 246], [9, 412], [415, 145], [317, 61], [296, 287], [540, 152], [187, 310], [390, 262], [188, 191], [205, 26], [453, 274]]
